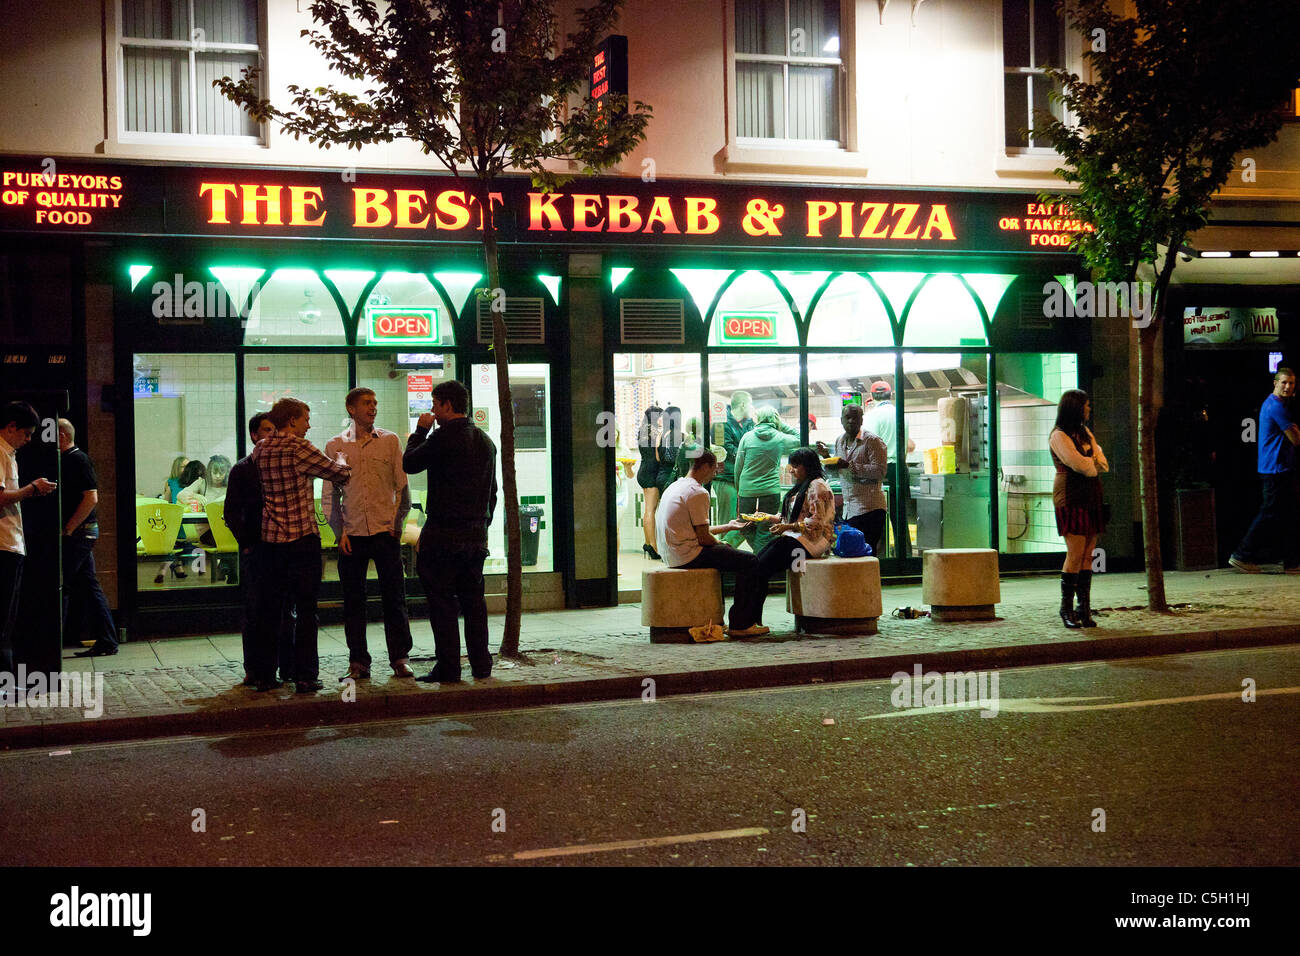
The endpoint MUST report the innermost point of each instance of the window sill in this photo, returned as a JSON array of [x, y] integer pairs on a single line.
[[178, 149], [784, 158], [1034, 165]]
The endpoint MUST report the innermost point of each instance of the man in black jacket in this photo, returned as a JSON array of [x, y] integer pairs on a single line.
[[461, 464], [243, 514]]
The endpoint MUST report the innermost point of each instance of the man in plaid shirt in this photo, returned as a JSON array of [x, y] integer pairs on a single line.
[[287, 463]]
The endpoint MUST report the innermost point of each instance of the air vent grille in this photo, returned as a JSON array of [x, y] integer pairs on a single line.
[[525, 320], [652, 321]]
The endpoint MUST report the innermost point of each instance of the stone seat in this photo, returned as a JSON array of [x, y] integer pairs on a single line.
[[960, 584], [835, 595], [674, 600]]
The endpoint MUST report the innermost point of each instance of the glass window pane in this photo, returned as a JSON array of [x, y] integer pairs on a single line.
[[530, 388], [814, 103], [156, 19], [1029, 387], [1049, 34], [156, 90], [753, 313], [1042, 86], [413, 291], [760, 99], [403, 384], [741, 387], [185, 442], [760, 27], [217, 116], [850, 314], [294, 308], [1015, 107], [647, 455], [820, 22], [227, 21], [1015, 33], [944, 313], [946, 416]]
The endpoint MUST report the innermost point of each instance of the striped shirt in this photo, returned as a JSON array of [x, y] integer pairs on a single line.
[[287, 464]]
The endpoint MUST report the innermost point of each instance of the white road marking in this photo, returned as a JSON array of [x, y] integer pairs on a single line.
[[638, 844], [1063, 705]]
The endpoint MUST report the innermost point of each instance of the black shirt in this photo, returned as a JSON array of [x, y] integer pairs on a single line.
[[76, 477], [461, 464], [243, 510]]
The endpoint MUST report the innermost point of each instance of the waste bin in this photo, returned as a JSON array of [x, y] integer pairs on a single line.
[[530, 534]]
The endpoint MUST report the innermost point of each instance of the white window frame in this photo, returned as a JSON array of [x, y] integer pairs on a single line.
[[815, 157], [1038, 161], [116, 106]]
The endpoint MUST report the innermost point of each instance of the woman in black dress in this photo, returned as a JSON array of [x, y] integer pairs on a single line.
[[647, 475], [1076, 494], [671, 440]]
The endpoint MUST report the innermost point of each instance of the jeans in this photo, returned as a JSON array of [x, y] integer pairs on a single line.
[[452, 576], [288, 573], [1273, 534], [872, 526], [11, 579], [722, 558], [82, 592], [385, 550], [252, 566]]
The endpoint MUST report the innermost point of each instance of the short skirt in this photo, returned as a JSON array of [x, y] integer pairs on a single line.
[[1079, 505]]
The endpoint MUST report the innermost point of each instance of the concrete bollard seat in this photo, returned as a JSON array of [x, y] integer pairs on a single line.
[[834, 595], [674, 600], [960, 584]]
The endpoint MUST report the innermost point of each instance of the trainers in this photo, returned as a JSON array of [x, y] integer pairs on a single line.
[[1241, 565], [755, 630]]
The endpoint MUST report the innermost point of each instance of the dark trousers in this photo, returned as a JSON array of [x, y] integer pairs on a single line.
[[11, 579], [776, 558], [1273, 534], [252, 566], [742, 564], [452, 576], [386, 552], [896, 482], [872, 526], [83, 595], [288, 573]]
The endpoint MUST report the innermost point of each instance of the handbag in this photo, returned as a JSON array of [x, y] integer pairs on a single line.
[[850, 542]]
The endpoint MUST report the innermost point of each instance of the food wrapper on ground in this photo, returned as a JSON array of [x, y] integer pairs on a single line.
[[708, 632]]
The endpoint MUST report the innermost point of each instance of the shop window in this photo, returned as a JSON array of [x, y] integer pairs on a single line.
[[753, 313], [530, 388], [667, 385], [458, 286], [403, 384], [945, 412], [171, 52], [770, 382], [185, 443], [802, 286], [788, 69], [702, 285], [405, 305], [1033, 40], [350, 283], [294, 307], [1029, 388], [850, 314], [943, 314]]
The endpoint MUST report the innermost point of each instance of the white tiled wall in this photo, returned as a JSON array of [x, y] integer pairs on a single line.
[[319, 380], [206, 386]]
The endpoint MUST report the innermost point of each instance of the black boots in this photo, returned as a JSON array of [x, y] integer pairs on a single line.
[[1068, 583], [1085, 599]]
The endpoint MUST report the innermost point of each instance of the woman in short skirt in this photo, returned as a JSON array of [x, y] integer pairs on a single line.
[[1076, 494]]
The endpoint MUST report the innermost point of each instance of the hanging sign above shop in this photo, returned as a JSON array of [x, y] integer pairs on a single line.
[[90, 197], [1221, 326]]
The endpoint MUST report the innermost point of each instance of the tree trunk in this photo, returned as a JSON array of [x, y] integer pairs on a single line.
[[509, 490], [1147, 470]]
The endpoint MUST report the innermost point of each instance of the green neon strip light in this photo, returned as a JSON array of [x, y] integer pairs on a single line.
[[552, 284], [137, 273], [616, 277]]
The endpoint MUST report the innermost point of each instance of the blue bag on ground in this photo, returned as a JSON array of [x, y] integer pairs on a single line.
[[850, 542]]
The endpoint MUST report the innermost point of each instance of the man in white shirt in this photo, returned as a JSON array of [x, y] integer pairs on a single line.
[[686, 540], [880, 419], [367, 515], [18, 422]]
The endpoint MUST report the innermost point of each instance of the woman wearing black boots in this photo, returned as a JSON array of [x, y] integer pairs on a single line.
[[1076, 494]]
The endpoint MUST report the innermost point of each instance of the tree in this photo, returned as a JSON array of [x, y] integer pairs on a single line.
[[484, 88], [1178, 92]]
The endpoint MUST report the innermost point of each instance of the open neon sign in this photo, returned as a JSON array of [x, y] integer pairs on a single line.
[[401, 326], [748, 326]]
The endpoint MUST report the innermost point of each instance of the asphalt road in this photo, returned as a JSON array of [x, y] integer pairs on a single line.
[[1183, 777]]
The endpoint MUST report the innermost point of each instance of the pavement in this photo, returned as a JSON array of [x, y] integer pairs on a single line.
[[176, 686]]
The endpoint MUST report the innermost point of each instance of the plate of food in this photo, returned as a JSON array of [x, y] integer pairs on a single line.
[[760, 516], [832, 461]]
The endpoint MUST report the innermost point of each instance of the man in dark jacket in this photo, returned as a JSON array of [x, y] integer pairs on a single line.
[[462, 495], [243, 514], [740, 420], [79, 492]]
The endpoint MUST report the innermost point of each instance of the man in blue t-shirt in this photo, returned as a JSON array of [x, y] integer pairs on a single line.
[[1274, 531]]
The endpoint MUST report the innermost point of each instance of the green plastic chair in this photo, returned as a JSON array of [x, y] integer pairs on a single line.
[[327, 539], [156, 526]]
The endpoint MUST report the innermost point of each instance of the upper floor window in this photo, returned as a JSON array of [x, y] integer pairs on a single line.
[[788, 70], [171, 52], [1033, 39]]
